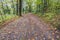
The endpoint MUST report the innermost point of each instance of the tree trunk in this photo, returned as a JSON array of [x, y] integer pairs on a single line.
[[20, 7]]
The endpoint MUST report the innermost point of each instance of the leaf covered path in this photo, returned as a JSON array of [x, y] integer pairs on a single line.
[[28, 27]]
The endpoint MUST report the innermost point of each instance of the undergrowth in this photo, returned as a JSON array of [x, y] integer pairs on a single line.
[[52, 18]]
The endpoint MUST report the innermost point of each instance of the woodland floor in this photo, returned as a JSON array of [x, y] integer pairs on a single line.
[[28, 27]]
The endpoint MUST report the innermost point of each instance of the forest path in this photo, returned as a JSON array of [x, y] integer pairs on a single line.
[[28, 27]]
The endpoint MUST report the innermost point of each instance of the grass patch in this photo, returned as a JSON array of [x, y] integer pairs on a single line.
[[6, 17]]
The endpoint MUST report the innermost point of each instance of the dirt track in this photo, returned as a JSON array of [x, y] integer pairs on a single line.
[[28, 27]]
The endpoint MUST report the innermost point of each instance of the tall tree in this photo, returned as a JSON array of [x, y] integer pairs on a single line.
[[38, 4], [44, 5], [19, 7]]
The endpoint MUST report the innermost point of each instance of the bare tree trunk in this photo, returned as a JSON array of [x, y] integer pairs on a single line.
[[19, 7]]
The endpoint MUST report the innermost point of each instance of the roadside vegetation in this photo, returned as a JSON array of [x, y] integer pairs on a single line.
[[48, 10]]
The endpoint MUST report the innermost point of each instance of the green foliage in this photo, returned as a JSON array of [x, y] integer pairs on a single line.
[[8, 9], [46, 9], [49, 10], [6, 17], [52, 18]]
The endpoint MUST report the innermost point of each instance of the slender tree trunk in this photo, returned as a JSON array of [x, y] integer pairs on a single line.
[[19, 7]]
